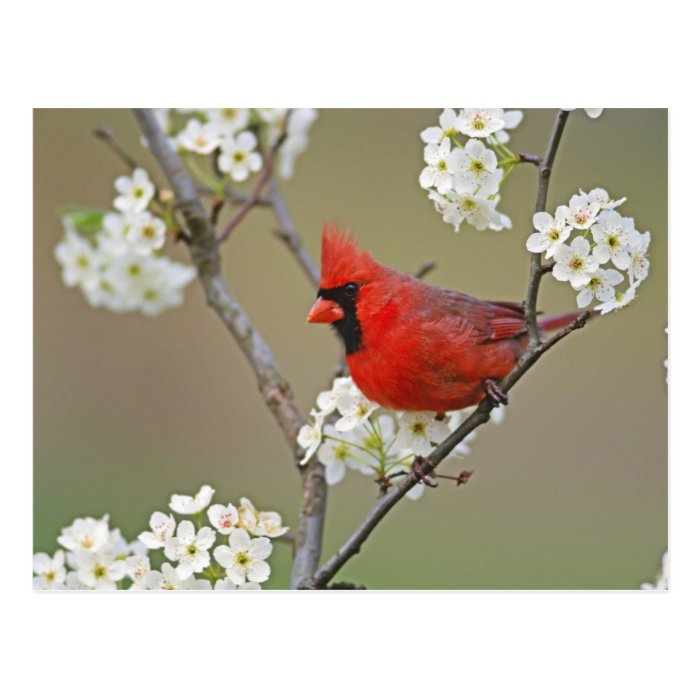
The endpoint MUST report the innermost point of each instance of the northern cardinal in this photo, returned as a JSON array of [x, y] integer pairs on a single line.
[[412, 346]]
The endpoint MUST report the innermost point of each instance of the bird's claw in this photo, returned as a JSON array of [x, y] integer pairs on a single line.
[[419, 472], [495, 394]]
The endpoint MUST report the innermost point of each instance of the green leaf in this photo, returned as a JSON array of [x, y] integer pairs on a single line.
[[86, 221]]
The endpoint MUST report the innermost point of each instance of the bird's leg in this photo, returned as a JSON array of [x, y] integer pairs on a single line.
[[495, 394], [423, 476]]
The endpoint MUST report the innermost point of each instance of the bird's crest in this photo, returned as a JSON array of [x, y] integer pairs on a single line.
[[341, 260]]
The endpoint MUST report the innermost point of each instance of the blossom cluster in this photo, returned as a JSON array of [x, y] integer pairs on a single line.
[[463, 175], [232, 139], [376, 443], [116, 258], [584, 236], [95, 557]]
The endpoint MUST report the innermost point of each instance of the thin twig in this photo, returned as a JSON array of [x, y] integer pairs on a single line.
[[262, 181], [109, 137], [233, 196], [425, 269], [530, 158], [277, 393], [288, 234], [536, 269]]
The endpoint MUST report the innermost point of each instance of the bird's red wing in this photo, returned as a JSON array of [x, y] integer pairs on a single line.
[[482, 321]]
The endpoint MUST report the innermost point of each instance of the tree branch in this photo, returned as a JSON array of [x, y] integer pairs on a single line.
[[204, 249], [108, 136], [536, 269], [266, 174]]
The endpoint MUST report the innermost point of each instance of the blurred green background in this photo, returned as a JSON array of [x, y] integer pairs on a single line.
[[569, 492]]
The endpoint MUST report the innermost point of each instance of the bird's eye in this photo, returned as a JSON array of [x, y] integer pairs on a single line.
[[351, 289]]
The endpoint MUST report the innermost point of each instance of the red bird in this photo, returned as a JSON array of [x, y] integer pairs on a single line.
[[409, 345]]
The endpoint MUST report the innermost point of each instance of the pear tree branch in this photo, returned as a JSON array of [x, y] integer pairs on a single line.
[[537, 270], [204, 250], [536, 348]]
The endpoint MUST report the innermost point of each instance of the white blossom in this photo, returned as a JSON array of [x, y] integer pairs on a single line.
[[186, 505], [226, 584], [162, 528], [419, 431], [167, 579], [85, 533], [50, 571], [601, 285], [602, 198], [481, 122], [474, 168], [137, 568], [79, 260], [310, 436], [223, 518], [448, 127], [512, 119], [620, 301], [269, 524], [355, 409], [145, 232], [456, 208], [327, 401], [573, 263], [99, 569], [228, 120], [297, 140], [190, 548], [582, 211], [336, 452], [552, 231], [238, 156], [247, 514], [611, 232], [437, 173], [244, 558], [637, 247], [200, 138], [135, 192]]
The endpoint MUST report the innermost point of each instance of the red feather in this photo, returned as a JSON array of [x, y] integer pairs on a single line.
[[422, 347]]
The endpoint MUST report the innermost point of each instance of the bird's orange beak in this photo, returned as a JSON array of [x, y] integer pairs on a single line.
[[324, 311]]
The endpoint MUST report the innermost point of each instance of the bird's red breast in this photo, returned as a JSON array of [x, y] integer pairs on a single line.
[[410, 345]]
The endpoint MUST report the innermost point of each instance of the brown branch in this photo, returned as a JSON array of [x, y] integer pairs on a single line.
[[425, 269], [480, 415], [530, 158], [108, 136], [204, 249], [265, 175], [288, 234], [536, 269]]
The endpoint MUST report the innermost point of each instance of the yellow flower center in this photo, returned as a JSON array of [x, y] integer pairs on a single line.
[[243, 559]]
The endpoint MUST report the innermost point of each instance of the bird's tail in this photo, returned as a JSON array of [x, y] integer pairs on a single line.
[[553, 323]]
